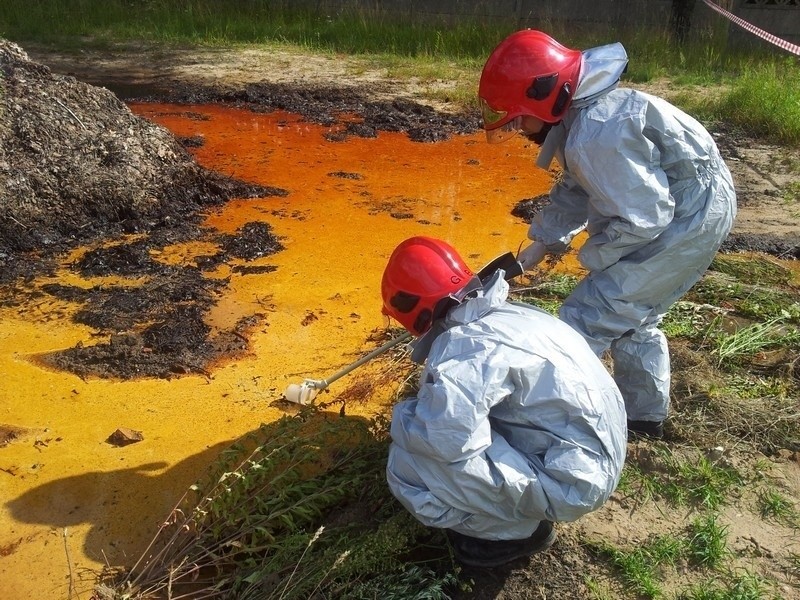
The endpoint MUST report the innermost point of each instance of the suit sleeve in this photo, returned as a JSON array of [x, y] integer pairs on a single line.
[[557, 223]]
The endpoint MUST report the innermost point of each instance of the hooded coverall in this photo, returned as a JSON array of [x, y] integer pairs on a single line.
[[516, 421], [647, 183]]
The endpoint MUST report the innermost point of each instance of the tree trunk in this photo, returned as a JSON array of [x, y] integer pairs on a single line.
[[681, 19]]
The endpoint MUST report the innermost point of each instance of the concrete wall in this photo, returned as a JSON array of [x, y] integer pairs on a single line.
[[778, 17]]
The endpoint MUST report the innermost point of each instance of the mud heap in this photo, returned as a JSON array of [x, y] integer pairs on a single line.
[[76, 164]]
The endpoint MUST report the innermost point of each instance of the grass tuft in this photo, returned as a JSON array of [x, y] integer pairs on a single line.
[[751, 339], [776, 506], [662, 473], [741, 587], [708, 542], [765, 100]]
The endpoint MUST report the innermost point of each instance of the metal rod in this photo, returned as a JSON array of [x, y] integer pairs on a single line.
[[323, 383]]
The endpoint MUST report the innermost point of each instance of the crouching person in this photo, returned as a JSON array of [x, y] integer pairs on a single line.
[[516, 423]]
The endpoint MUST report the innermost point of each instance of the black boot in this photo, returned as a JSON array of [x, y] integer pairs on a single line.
[[645, 429], [475, 552]]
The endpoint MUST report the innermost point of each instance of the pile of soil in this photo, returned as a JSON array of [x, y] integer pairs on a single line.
[[76, 167]]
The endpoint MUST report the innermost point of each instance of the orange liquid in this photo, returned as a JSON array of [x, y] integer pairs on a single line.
[[72, 502]]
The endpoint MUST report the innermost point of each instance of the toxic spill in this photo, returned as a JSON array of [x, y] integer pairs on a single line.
[[72, 502]]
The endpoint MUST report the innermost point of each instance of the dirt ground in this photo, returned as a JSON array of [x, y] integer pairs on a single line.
[[68, 146]]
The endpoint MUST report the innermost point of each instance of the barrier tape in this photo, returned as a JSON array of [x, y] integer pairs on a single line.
[[773, 39]]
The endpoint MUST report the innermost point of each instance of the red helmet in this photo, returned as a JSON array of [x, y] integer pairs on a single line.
[[529, 73], [421, 273]]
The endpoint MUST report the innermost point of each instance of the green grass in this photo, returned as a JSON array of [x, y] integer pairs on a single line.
[[761, 97], [297, 509], [686, 319], [792, 566], [752, 268], [246, 22], [639, 567], [707, 545], [765, 100], [598, 590], [761, 302], [749, 386], [703, 482], [791, 194], [643, 568], [680, 480], [639, 484], [773, 505], [746, 341], [547, 291], [744, 586]]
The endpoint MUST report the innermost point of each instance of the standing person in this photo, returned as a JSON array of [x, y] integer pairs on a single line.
[[643, 178], [516, 423]]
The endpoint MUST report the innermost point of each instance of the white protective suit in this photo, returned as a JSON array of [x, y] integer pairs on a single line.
[[648, 184], [516, 421]]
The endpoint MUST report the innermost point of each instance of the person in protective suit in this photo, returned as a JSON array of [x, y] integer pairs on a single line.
[[644, 179], [516, 423]]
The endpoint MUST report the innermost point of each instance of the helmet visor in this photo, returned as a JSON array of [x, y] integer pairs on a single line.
[[490, 116], [504, 132]]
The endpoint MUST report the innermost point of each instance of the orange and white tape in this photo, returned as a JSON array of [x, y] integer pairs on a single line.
[[765, 35]]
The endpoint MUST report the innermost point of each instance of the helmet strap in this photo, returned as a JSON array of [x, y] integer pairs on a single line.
[[442, 306], [563, 98], [539, 137], [427, 317]]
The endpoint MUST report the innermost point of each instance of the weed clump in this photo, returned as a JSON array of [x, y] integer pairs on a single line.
[[297, 509]]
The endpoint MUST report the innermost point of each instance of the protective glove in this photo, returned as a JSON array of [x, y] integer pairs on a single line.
[[532, 255]]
